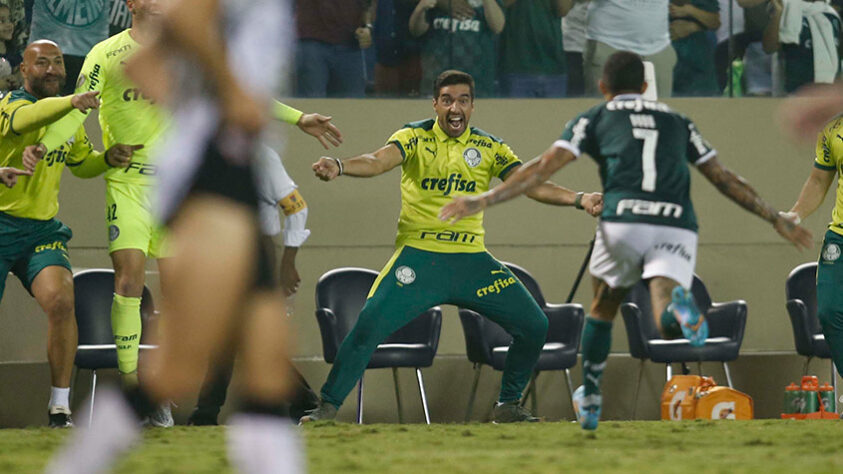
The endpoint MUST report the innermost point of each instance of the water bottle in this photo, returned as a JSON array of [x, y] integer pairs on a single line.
[[793, 399], [810, 388], [827, 396]]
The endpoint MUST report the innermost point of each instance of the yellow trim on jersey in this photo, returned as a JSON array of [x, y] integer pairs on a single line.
[[436, 168], [829, 157]]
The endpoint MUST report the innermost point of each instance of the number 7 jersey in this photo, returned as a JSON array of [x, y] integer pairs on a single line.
[[643, 149]]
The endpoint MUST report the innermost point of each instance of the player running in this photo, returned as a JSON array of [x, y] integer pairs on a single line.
[[648, 228]]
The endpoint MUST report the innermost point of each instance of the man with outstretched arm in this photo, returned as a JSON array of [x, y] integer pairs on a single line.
[[648, 229], [33, 243], [437, 262]]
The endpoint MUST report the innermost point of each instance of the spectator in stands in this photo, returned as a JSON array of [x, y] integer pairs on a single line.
[[621, 25], [75, 30], [331, 35], [465, 42], [13, 35], [119, 17], [532, 60], [690, 20], [398, 63], [807, 37], [573, 42], [733, 22]]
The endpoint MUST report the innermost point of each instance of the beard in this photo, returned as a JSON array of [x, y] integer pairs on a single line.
[[41, 87]]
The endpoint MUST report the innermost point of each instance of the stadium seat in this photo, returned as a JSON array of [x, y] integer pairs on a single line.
[[487, 343], [93, 291], [801, 293], [340, 295], [726, 322]]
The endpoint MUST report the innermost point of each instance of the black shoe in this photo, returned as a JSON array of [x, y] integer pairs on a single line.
[[201, 417], [325, 411], [60, 417], [512, 412]]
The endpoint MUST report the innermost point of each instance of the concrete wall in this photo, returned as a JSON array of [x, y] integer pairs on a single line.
[[353, 223]]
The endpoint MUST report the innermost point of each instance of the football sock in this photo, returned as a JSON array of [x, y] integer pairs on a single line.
[[59, 397], [596, 342], [126, 326], [260, 441]]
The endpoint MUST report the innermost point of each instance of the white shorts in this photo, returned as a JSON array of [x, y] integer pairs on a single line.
[[625, 253]]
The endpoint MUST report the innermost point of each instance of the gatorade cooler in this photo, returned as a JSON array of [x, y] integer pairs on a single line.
[[723, 403], [678, 402]]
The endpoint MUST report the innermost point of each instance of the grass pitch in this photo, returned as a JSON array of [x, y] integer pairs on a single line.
[[767, 446]]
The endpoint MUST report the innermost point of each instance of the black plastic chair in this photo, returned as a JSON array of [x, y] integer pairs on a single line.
[[340, 295], [94, 291], [726, 323], [801, 293], [488, 343]]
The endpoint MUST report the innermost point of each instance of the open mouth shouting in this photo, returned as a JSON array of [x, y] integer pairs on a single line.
[[456, 124]]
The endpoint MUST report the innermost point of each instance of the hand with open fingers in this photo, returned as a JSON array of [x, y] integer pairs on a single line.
[[461, 207], [799, 236], [32, 155], [85, 101], [120, 155], [320, 126], [9, 176], [593, 203], [326, 168]]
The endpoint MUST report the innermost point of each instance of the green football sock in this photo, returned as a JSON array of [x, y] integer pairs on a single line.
[[126, 327], [596, 342]]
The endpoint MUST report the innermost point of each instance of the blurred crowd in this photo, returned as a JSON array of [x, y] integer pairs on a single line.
[[513, 48]]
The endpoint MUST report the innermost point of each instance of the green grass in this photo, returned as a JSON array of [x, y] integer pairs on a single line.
[[767, 446]]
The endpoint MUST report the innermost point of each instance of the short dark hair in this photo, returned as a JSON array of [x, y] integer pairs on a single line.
[[451, 77], [624, 72]]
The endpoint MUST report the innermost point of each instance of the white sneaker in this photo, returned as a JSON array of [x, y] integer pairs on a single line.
[[162, 417], [95, 449]]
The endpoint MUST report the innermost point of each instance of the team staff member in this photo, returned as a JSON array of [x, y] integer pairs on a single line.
[[126, 116], [648, 228], [435, 262], [829, 159], [33, 243]]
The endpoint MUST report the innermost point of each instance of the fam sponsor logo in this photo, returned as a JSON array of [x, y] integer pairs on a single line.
[[141, 168], [448, 236], [121, 49], [675, 248], [496, 287], [453, 182], [649, 208]]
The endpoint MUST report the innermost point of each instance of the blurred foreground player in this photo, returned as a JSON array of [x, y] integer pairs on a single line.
[[275, 189], [648, 229], [219, 293]]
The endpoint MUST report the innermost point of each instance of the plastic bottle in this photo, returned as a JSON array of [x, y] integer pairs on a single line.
[[793, 399], [827, 396], [810, 387]]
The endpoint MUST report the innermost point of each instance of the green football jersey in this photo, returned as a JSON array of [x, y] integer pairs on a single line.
[[642, 149], [436, 168], [125, 115]]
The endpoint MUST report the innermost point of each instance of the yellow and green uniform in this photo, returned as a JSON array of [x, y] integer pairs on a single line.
[[829, 157], [129, 118], [436, 168], [437, 262], [30, 236]]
